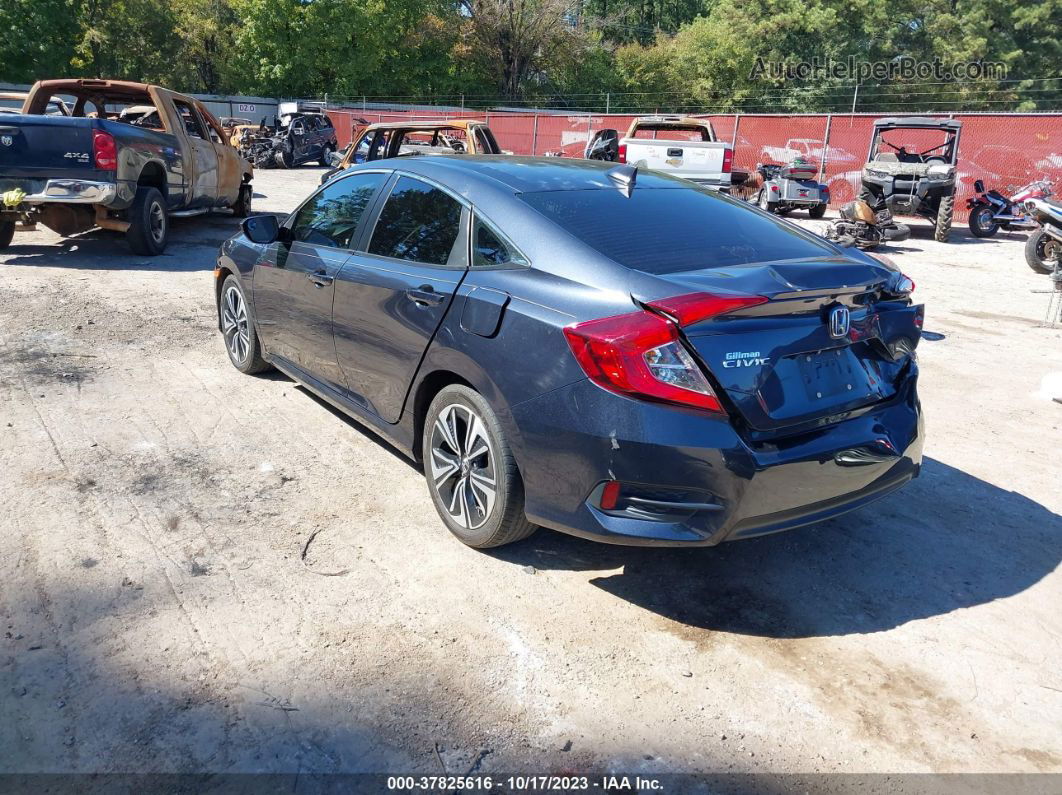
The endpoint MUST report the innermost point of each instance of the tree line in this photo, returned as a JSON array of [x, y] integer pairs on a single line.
[[628, 55]]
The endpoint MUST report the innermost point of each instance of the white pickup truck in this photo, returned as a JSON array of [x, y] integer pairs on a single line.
[[680, 145]]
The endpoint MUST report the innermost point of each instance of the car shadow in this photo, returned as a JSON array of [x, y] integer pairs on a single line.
[[947, 541]]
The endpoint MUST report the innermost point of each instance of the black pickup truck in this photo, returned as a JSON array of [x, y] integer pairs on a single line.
[[128, 158]]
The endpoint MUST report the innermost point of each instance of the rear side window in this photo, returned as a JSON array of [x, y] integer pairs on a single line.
[[674, 229], [490, 248], [419, 223], [331, 217]]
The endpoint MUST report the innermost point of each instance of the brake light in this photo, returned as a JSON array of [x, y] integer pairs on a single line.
[[642, 355], [622, 153], [728, 160], [695, 307], [104, 151]]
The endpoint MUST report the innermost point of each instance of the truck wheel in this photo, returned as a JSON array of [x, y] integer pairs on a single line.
[[982, 221], [1042, 252], [242, 207], [817, 211], [942, 230], [285, 159], [7, 232], [325, 152], [149, 226]]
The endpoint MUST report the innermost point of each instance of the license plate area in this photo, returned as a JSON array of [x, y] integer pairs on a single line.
[[829, 374]]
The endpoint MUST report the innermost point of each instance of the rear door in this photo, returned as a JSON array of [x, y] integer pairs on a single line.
[[199, 158], [294, 284], [392, 296]]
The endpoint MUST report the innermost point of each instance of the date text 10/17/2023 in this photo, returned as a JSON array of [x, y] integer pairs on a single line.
[[524, 783]]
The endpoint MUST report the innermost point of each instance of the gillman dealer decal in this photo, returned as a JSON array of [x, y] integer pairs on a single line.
[[745, 359]]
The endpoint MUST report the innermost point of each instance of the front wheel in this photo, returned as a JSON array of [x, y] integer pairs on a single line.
[[237, 326], [149, 226], [471, 473], [242, 207], [982, 221], [1042, 252], [7, 233], [942, 227], [326, 153]]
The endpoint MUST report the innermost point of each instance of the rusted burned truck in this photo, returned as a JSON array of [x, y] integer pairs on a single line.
[[128, 158]]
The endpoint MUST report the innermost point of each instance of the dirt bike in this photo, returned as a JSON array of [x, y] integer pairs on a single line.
[[865, 227], [990, 210]]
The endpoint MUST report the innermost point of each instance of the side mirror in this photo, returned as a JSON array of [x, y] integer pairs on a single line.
[[261, 229]]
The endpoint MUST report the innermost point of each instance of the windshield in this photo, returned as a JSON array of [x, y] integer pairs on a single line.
[[671, 230], [915, 145]]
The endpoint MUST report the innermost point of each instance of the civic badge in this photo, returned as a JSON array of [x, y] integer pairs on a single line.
[[6, 140], [840, 321]]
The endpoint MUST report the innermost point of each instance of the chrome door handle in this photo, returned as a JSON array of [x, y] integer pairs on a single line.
[[425, 296], [320, 278]]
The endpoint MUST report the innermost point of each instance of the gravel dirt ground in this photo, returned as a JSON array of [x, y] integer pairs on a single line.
[[204, 571]]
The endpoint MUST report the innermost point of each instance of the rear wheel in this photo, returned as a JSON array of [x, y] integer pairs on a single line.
[[242, 207], [982, 221], [237, 326], [817, 211], [942, 229], [471, 473], [7, 233], [763, 200], [1042, 252], [149, 226]]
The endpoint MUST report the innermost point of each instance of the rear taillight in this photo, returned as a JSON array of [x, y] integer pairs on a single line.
[[104, 151], [622, 153], [642, 355], [728, 160]]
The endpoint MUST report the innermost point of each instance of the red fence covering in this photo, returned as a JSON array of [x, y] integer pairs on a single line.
[[1002, 149]]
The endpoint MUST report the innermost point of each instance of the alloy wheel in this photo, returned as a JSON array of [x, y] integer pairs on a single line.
[[985, 219], [234, 325], [463, 466]]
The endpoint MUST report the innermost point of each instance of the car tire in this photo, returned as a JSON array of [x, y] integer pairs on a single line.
[[237, 327], [242, 207], [1042, 252], [982, 221], [325, 152], [942, 228], [7, 233], [149, 225], [464, 452], [285, 159], [817, 211]]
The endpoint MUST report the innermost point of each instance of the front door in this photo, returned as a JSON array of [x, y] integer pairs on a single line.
[[391, 298], [293, 285], [200, 160]]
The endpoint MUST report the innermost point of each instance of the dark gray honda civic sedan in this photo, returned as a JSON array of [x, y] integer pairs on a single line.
[[623, 356]]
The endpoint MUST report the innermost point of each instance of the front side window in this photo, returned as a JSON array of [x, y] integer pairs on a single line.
[[331, 217], [419, 223], [490, 248]]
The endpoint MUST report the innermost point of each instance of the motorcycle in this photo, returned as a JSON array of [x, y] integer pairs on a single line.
[[990, 210], [865, 227], [1043, 249]]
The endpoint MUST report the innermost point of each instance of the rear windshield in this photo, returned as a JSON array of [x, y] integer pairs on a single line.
[[674, 229]]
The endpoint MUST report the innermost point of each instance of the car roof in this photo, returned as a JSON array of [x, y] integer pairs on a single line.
[[918, 121], [533, 174], [456, 124]]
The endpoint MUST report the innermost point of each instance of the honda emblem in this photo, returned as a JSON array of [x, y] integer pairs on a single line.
[[840, 322]]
